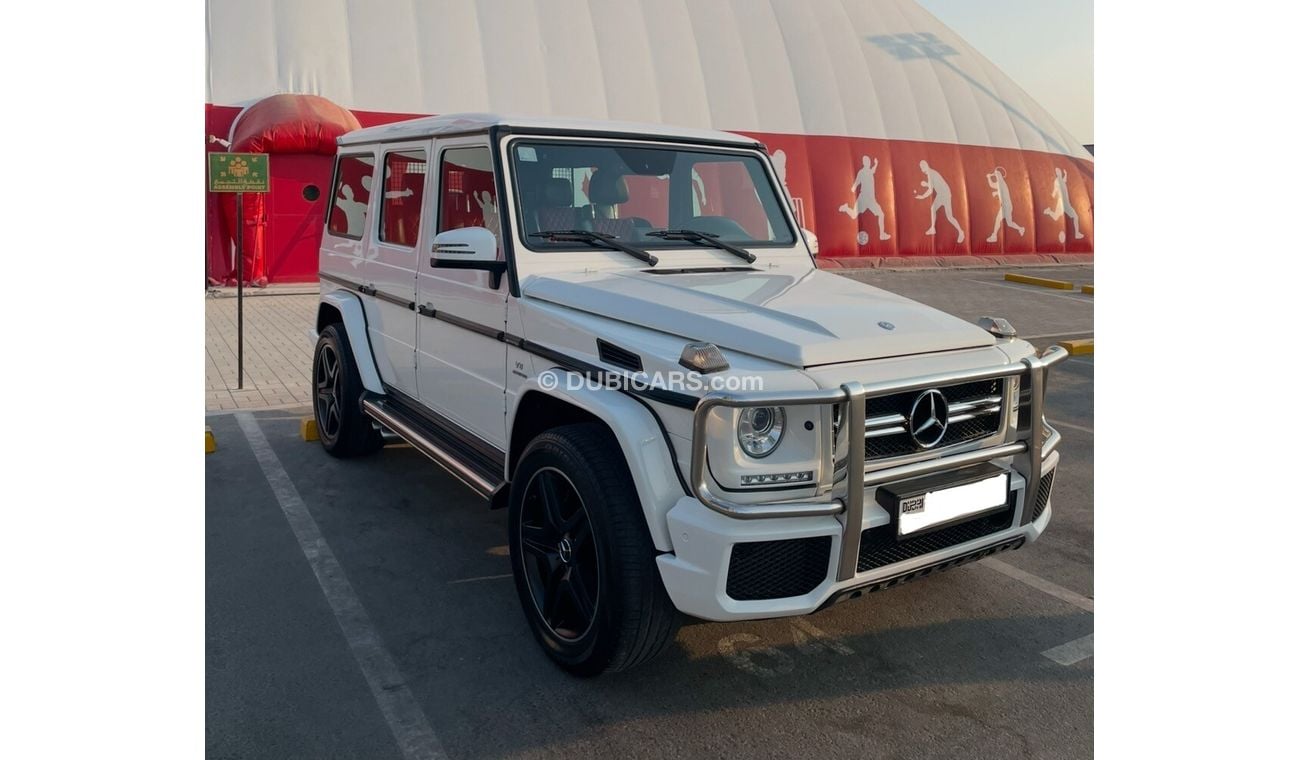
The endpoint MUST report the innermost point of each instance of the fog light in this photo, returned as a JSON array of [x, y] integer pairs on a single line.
[[771, 478]]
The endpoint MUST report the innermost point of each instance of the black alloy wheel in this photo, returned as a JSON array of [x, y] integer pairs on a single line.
[[560, 563], [584, 563], [329, 381], [343, 428]]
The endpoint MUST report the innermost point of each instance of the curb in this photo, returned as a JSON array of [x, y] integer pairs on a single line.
[[293, 405], [1041, 282], [954, 261], [307, 429], [1077, 347], [209, 442], [1087, 290]]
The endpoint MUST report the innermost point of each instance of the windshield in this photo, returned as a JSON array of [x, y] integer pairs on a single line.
[[647, 196]]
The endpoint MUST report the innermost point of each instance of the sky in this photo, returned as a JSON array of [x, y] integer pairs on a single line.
[[1045, 46]]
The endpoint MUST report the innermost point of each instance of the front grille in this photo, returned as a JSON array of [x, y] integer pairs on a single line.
[[777, 569], [887, 417], [1044, 494], [881, 546]]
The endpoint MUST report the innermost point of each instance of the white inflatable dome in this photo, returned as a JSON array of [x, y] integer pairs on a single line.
[[823, 83]]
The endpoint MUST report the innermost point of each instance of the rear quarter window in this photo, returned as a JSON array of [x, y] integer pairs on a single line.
[[353, 176]]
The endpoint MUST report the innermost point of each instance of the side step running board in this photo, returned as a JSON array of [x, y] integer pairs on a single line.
[[429, 442]]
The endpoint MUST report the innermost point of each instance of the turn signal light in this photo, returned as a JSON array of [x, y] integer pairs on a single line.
[[998, 327], [703, 358]]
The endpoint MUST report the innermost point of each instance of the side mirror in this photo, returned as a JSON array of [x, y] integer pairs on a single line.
[[811, 240], [468, 248], [466, 244]]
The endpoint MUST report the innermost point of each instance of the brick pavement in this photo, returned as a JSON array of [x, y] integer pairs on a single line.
[[277, 349]]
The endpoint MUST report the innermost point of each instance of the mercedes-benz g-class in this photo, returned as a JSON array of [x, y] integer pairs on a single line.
[[618, 333]]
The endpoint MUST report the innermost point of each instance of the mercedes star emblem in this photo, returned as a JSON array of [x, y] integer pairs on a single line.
[[928, 420]]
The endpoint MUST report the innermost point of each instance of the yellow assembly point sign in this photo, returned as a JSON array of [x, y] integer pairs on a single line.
[[239, 172]]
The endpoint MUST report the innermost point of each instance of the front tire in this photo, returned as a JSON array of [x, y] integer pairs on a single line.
[[344, 430], [583, 561]]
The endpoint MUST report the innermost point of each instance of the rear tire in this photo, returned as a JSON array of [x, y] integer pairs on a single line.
[[583, 560], [344, 430]]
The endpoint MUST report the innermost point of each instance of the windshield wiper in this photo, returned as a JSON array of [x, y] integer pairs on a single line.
[[704, 238], [595, 239]]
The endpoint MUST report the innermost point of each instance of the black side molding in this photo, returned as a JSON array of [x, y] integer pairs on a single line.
[[626, 385]]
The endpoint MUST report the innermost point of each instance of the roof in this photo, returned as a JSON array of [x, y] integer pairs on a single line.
[[463, 123]]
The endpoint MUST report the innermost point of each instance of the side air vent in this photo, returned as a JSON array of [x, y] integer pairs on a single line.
[[619, 357]]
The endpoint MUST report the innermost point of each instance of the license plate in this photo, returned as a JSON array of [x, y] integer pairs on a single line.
[[923, 511]]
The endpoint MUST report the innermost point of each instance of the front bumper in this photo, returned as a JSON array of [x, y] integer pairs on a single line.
[[698, 574], [797, 556]]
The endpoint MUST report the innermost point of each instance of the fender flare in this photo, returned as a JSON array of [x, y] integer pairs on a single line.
[[643, 442], [354, 322]]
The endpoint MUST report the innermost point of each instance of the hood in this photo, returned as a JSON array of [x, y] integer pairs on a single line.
[[800, 320]]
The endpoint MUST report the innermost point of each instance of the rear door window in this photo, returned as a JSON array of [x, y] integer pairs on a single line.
[[399, 209]]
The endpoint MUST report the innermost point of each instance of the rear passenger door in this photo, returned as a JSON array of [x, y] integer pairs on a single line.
[[461, 362], [398, 191]]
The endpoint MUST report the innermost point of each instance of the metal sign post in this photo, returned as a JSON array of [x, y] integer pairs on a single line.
[[239, 281], [239, 173]]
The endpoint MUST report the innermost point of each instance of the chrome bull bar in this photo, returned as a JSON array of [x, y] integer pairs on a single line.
[[1037, 442]]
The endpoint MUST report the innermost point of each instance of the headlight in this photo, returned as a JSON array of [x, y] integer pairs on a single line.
[[759, 430]]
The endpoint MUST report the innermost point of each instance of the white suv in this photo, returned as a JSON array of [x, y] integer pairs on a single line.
[[617, 332]]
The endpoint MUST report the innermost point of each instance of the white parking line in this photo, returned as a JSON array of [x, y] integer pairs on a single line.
[[405, 719], [480, 578], [1071, 425], [1071, 651], [1032, 291], [1042, 584]]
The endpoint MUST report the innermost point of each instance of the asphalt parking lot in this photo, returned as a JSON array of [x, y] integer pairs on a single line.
[[323, 573]]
